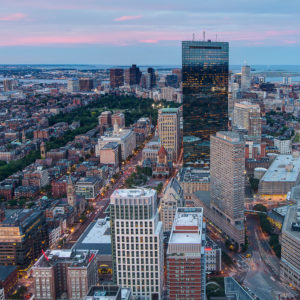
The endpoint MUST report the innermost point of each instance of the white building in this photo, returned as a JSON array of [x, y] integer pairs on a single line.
[[73, 85], [125, 137], [283, 145], [245, 78], [137, 241]]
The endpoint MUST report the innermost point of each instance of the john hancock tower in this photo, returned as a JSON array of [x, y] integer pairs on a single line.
[[205, 97]]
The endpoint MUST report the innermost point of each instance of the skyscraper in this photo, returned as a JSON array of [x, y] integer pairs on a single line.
[[133, 75], [137, 241], [245, 78], [169, 131], [186, 255], [205, 97], [227, 179], [116, 78]]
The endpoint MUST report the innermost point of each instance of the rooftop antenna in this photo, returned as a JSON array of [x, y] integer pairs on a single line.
[[193, 36], [204, 35]]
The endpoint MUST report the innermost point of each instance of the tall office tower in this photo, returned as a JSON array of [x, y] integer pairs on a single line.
[[152, 75], [245, 78], [290, 247], [116, 78], [86, 84], [171, 199], [186, 255], [9, 85], [133, 75], [73, 85], [137, 241], [205, 97], [169, 131], [227, 179], [242, 113]]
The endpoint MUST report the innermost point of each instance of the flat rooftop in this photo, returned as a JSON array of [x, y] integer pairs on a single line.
[[133, 193], [285, 168], [194, 175], [187, 226], [97, 236], [291, 217]]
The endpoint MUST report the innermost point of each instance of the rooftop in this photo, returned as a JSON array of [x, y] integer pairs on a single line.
[[285, 168], [291, 217], [133, 193], [193, 175], [5, 271]]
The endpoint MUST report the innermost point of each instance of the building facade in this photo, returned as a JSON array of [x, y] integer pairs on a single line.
[[205, 97], [137, 242], [116, 78]]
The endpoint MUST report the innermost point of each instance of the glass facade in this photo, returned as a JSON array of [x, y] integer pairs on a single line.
[[205, 97]]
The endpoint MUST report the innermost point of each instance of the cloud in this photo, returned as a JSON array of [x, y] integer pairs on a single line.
[[127, 18], [149, 41], [13, 17]]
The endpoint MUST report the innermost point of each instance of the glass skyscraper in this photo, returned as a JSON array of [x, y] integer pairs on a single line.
[[205, 97]]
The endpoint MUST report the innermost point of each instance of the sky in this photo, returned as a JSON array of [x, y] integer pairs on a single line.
[[146, 32]]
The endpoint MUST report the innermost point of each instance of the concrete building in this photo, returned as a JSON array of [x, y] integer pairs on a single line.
[[64, 273], [88, 187], [193, 180], [283, 145], [169, 131], [108, 292], [124, 137], [23, 233], [73, 85], [110, 154], [137, 242], [9, 85], [186, 255], [281, 176], [133, 75], [105, 120], [246, 78], [171, 199], [86, 84], [213, 256], [290, 247], [119, 118], [242, 114]]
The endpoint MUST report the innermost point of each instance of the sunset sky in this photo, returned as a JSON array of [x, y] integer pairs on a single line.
[[146, 32]]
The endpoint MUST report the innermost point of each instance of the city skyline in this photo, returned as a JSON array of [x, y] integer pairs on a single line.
[[114, 33]]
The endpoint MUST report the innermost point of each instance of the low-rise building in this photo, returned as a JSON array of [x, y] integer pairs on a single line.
[[109, 292], [110, 154], [88, 187]]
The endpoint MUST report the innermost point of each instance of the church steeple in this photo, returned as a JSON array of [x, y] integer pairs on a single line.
[[71, 192]]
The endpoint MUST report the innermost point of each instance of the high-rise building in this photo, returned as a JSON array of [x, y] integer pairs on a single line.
[[242, 113], [105, 120], [133, 75], [152, 76], [178, 73], [227, 178], [86, 84], [61, 272], [137, 242], [245, 78], [290, 247], [9, 85], [205, 97], [73, 85], [169, 131], [116, 78], [186, 255]]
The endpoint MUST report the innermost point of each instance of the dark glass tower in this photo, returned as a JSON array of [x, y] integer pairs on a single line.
[[205, 97]]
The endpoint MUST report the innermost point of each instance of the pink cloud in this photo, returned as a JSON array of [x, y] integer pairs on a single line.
[[13, 17], [149, 41], [127, 18]]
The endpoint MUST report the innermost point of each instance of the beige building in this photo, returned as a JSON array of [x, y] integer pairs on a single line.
[[171, 199], [169, 131], [110, 154], [290, 248], [242, 113]]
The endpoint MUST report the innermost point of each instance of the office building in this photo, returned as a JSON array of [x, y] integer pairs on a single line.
[[23, 234], [245, 78], [213, 256], [205, 97], [227, 178], [73, 85], [171, 199], [283, 145], [110, 154], [9, 85], [133, 75], [116, 78], [125, 137], [234, 291], [88, 187], [186, 268], [64, 274], [152, 78], [281, 176], [137, 242], [8, 280], [290, 247], [169, 131], [86, 84]]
